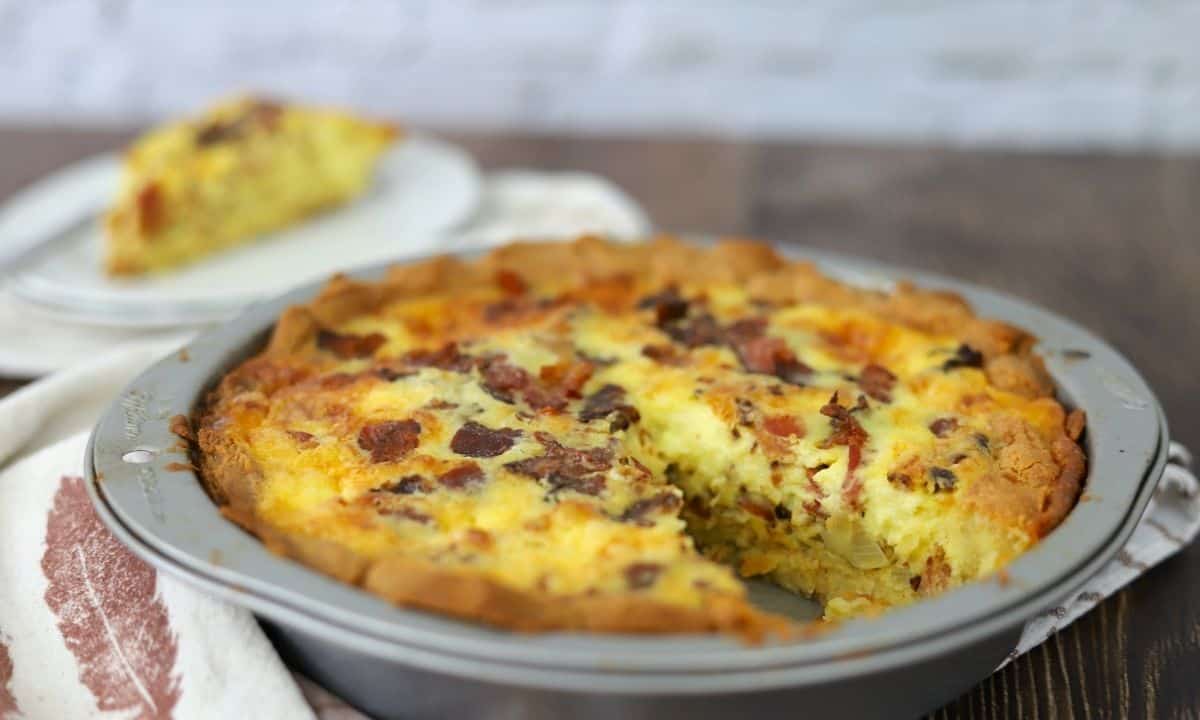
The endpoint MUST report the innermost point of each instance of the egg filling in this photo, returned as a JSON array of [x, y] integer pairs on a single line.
[[247, 167], [629, 437]]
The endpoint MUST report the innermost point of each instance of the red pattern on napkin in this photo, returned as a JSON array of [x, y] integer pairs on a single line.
[[109, 612], [8, 703]]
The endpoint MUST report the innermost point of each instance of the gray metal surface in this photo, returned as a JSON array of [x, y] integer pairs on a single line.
[[166, 516], [389, 681]]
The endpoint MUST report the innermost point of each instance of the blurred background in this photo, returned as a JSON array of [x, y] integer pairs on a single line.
[[1118, 74]]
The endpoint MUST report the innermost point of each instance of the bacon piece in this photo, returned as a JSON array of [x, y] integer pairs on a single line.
[[943, 479], [407, 513], [262, 112], [336, 380], [759, 354], [475, 440], [540, 397], [595, 360], [942, 427], [389, 440], [302, 438], [447, 357], [151, 210], [570, 377], [847, 431], [407, 485], [758, 507], [502, 379], [811, 476], [668, 305], [389, 374], [937, 574], [745, 411], [877, 382], [746, 329], [663, 354], [602, 402], [520, 307], [504, 309], [749, 342], [814, 509], [964, 356], [664, 502], [462, 476], [783, 425], [642, 575], [763, 354], [586, 485], [481, 539], [347, 346], [699, 330], [852, 486], [608, 401], [217, 132], [565, 468], [637, 465], [505, 382], [698, 507], [791, 371], [511, 283], [266, 112]]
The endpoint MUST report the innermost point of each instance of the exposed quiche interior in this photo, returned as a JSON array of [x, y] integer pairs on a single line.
[[606, 437], [246, 167]]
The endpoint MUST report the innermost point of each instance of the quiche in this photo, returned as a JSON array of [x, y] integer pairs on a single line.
[[247, 167], [609, 437]]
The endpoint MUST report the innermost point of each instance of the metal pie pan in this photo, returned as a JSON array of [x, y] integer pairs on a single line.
[[165, 512]]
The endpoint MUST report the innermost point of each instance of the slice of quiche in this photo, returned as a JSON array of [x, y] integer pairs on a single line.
[[602, 437], [247, 167]]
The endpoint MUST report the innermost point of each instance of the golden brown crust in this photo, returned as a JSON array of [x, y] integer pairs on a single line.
[[232, 478], [1039, 481], [414, 584]]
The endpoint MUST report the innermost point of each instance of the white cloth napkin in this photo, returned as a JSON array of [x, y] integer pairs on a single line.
[[1170, 523], [69, 648], [89, 630], [524, 203]]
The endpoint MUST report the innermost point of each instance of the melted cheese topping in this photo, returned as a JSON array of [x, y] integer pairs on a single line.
[[839, 455]]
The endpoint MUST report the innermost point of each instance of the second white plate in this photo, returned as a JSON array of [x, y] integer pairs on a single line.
[[423, 188]]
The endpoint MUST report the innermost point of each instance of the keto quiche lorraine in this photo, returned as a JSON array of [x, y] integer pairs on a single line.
[[247, 167], [604, 437]]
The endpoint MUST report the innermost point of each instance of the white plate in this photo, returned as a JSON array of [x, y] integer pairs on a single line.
[[423, 188]]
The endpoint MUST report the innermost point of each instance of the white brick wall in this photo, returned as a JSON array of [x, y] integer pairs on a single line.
[[1111, 73]]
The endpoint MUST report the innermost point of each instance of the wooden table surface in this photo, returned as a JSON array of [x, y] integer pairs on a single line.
[[1110, 241]]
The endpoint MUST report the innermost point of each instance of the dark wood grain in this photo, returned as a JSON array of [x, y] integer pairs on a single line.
[[1111, 241]]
